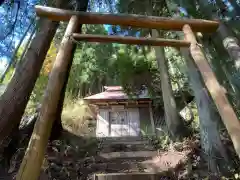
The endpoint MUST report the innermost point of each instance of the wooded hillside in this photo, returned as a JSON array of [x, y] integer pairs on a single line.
[[30, 50]]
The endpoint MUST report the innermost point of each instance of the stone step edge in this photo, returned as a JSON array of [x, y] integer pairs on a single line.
[[128, 154], [125, 142], [133, 176]]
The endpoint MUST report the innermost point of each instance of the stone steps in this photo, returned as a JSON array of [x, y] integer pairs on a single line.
[[132, 176], [126, 138], [125, 144], [123, 158], [123, 140], [106, 142], [111, 167], [119, 157], [116, 157], [130, 154], [126, 147]]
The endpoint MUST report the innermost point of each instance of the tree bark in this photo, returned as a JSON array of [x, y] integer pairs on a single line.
[[31, 164], [174, 123], [24, 51], [223, 66], [230, 42], [216, 91], [208, 117], [14, 100], [16, 96]]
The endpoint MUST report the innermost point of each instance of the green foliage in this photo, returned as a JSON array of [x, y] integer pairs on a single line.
[[96, 65], [41, 83]]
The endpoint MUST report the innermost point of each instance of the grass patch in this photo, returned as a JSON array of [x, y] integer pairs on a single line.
[[77, 117]]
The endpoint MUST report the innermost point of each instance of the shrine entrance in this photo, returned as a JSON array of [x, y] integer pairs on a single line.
[[32, 162]]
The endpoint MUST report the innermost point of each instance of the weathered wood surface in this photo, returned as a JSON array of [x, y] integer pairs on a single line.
[[216, 91], [32, 162], [198, 25], [131, 40]]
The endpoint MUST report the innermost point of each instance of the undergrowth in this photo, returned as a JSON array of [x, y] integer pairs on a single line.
[[78, 117]]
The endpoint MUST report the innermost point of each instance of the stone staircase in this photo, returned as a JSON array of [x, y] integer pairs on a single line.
[[125, 158], [108, 158]]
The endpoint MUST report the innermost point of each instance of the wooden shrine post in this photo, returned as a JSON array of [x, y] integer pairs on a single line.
[[226, 111], [32, 162]]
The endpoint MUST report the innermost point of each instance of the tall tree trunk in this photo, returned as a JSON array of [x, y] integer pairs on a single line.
[[215, 89], [222, 65], [208, 116], [57, 127], [174, 123], [24, 51], [230, 42], [15, 98]]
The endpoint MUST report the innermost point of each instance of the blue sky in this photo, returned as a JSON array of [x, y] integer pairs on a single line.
[[9, 36]]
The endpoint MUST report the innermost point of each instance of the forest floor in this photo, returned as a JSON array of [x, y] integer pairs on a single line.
[[177, 161], [74, 154], [73, 157], [180, 160]]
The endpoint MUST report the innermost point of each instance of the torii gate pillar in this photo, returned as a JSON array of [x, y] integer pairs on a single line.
[[32, 162]]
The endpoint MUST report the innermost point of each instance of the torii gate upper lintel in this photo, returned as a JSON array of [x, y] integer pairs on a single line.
[[152, 22]]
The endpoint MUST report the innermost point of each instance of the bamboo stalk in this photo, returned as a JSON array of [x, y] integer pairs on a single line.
[[153, 22]]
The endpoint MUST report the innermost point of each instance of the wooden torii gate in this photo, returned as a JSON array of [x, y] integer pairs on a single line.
[[31, 164]]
